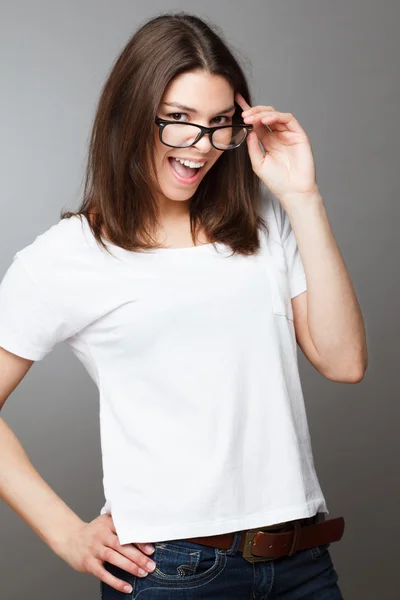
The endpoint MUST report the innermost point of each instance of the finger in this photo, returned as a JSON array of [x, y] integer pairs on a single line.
[[147, 547], [110, 522], [261, 113], [276, 120], [241, 101], [257, 119], [257, 109], [137, 564], [284, 119], [105, 576], [255, 152], [131, 552]]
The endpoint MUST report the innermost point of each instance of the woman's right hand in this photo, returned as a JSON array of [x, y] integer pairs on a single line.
[[88, 546]]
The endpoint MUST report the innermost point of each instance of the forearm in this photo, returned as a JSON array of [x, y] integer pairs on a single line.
[[335, 320], [24, 490]]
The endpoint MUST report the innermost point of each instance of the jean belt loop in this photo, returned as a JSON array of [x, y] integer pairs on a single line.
[[296, 536]]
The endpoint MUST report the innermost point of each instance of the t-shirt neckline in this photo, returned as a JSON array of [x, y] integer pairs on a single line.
[[164, 251]]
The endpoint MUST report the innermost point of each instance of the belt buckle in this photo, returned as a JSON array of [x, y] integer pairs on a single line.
[[248, 542], [250, 534]]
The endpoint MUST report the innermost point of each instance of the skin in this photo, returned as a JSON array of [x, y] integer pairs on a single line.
[[209, 95]]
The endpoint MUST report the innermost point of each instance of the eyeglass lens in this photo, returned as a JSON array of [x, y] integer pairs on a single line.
[[182, 136]]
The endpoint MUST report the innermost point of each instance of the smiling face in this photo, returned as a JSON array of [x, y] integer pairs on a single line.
[[209, 97]]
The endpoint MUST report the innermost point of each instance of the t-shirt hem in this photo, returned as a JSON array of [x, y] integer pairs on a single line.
[[138, 534], [9, 344], [298, 286]]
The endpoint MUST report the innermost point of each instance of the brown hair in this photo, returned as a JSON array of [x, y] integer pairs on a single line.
[[117, 194]]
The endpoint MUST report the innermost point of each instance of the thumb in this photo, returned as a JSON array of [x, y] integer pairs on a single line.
[[255, 152]]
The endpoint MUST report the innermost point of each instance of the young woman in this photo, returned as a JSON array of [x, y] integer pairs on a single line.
[[196, 261]]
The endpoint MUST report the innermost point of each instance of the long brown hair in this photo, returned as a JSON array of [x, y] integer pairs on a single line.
[[117, 195]]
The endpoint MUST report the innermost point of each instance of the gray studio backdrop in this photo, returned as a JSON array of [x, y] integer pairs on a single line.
[[333, 65]]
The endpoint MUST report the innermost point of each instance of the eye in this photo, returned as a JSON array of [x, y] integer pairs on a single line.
[[172, 115], [228, 120]]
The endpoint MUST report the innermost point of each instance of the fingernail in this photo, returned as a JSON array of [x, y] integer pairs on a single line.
[[149, 548], [142, 572], [150, 565], [127, 588]]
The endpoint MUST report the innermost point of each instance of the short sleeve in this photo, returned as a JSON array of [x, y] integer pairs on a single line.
[[297, 276], [30, 325]]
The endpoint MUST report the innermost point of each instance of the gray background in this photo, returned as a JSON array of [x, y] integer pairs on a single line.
[[333, 65]]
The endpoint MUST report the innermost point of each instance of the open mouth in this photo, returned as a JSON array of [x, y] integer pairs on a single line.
[[184, 174]]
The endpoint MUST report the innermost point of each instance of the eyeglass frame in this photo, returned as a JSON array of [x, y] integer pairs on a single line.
[[203, 130]]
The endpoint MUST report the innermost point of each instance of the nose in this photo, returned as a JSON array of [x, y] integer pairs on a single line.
[[204, 144]]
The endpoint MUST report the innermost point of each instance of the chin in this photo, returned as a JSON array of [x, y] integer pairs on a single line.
[[177, 196]]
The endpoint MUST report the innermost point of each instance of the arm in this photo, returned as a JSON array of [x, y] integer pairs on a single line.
[[84, 546], [21, 486], [328, 321]]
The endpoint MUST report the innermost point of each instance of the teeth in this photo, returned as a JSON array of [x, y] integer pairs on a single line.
[[189, 163]]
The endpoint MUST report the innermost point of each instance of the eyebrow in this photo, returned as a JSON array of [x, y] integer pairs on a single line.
[[193, 110]]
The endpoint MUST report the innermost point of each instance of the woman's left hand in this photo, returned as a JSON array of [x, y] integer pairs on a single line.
[[287, 168]]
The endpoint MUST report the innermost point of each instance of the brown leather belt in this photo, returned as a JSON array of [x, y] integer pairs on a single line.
[[280, 539]]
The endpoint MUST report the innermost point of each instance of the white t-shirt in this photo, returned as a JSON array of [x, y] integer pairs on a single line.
[[202, 418]]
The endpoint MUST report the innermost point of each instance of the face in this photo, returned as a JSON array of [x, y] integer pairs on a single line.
[[209, 96]]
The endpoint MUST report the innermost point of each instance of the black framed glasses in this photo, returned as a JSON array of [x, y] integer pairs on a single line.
[[178, 134]]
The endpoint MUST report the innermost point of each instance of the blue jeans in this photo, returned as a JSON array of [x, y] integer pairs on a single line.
[[191, 571]]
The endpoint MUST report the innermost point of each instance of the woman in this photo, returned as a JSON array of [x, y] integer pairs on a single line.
[[182, 284]]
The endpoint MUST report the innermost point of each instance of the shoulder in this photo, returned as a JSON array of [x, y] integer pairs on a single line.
[[57, 245]]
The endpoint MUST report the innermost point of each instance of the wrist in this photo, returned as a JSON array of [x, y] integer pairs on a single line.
[[300, 199], [61, 538]]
